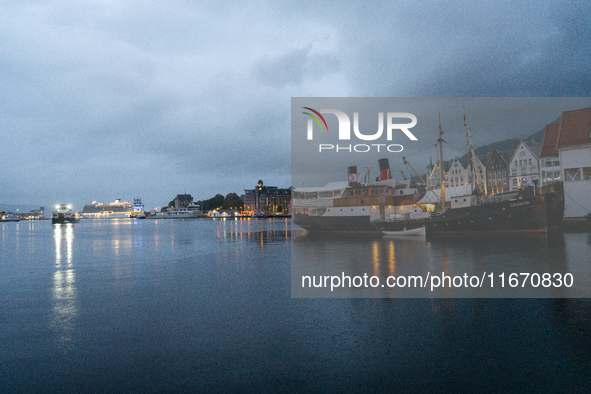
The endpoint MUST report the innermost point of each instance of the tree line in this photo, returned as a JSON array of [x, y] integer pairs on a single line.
[[231, 201]]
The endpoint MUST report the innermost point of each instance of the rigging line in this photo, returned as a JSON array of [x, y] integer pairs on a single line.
[[482, 135], [463, 153], [420, 150]]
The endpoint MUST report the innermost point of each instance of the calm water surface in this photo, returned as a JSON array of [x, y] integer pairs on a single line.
[[202, 305]]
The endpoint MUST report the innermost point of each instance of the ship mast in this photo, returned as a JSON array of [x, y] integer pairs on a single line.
[[478, 182], [367, 179], [440, 143], [420, 177]]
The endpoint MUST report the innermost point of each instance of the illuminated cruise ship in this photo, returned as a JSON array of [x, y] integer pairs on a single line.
[[116, 209]]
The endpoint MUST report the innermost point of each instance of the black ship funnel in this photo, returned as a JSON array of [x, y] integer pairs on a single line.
[[352, 176], [384, 169]]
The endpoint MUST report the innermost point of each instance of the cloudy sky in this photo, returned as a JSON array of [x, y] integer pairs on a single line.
[[117, 99]]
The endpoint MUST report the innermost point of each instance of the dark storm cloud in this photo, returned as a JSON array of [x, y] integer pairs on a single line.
[[105, 100]]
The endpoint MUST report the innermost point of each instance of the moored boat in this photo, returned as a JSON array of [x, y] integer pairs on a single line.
[[413, 232], [9, 217], [64, 214], [137, 209], [523, 212], [529, 210], [191, 212], [355, 208]]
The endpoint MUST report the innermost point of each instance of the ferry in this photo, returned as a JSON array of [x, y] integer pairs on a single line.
[[9, 217], [64, 214]]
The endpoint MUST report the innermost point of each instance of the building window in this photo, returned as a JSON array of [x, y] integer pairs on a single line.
[[587, 173], [523, 171], [572, 174], [514, 182]]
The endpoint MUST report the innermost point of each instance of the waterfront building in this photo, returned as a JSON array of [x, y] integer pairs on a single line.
[[434, 174], [182, 201], [549, 158], [267, 199], [457, 175], [574, 150], [462, 172], [35, 214], [497, 174], [524, 166]]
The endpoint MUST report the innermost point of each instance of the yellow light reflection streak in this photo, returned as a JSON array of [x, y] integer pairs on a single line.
[[376, 259], [391, 258]]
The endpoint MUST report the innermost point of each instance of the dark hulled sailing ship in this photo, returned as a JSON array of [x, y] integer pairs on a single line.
[[530, 210]]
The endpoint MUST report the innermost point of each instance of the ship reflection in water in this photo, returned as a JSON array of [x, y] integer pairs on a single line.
[[321, 256]]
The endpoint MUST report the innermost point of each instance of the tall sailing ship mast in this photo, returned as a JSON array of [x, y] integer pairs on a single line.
[[440, 143], [477, 175]]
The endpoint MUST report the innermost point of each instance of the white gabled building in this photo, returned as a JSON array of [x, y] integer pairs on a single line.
[[574, 149], [457, 175], [523, 166], [434, 174], [466, 172]]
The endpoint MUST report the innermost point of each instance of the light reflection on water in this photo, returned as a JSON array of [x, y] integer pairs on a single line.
[[314, 255], [64, 287], [212, 312]]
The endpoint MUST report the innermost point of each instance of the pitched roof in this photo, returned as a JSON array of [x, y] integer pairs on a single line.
[[504, 156], [533, 147], [575, 128], [549, 141]]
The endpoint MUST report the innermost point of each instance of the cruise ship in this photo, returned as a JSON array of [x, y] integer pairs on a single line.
[[116, 209]]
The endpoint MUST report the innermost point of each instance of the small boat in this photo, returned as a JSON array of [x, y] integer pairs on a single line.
[[412, 232], [10, 217], [64, 214]]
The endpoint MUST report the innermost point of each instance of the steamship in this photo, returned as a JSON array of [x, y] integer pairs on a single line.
[[373, 208]]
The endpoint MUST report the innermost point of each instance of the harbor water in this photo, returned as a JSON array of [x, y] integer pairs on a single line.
[[201, 305]]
